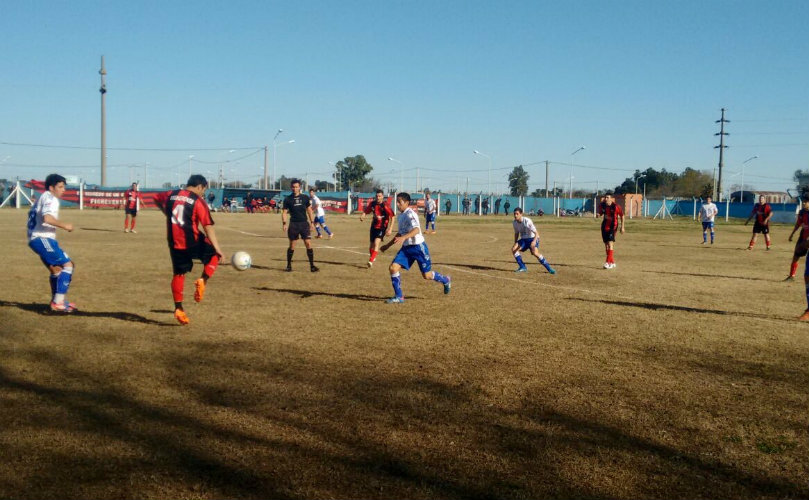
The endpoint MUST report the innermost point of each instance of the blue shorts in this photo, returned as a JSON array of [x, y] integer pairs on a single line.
[[526, 244], [320, 220], [49, 251], [414, 253], [707, 225], [429, 217]]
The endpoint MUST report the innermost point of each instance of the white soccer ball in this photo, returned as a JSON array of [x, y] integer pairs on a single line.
[[241, 261]]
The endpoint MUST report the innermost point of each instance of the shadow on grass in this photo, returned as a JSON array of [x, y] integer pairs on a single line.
[[671, 307], [241, 424], [44, 309], [100, 229], [705, 275], [305, 294], [475, 267]]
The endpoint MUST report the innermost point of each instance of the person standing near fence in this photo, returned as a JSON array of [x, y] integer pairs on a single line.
[[707, 212], [506, 206], [430, 211], [131, 205], [611, 212], [763, 213], [447, 206], [802, 223], [43, 219]]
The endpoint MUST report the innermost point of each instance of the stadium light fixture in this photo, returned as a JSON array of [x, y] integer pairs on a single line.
[[490, 169], [741, 198], [570, 191], [401, 173]]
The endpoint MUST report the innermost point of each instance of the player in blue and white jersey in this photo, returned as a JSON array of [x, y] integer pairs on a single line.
[[526, 237], [430, 211], [320, 215], [413, 250], [43, 219], [707, 212]]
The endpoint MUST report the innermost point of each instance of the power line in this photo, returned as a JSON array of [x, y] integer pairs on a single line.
[[89, 148]]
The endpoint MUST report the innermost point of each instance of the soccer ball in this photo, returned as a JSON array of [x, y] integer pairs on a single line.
[[241, 261]]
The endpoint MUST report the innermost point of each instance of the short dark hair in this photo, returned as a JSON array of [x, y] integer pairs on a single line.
[[379, 191], [197, 180], [518, 209], [609, 193], [294, 181], [313, 189], [53, 179], [403, 197]]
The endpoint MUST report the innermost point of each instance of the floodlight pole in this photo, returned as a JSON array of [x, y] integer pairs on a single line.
[[741, 198]]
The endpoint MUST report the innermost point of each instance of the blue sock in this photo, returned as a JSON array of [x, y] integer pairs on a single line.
[[63, 281], [54, 278], [326, 228], [396, 281], [318, 230], [705, 237], [711, 236], [440, 278], [519, 260], [544, 262]]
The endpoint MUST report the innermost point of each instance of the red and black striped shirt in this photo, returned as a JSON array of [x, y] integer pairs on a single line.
[[185, 211], [382, 214], [611, 214]]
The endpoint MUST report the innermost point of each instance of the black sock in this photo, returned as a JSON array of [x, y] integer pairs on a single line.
[[289, 256], [311, 254], [178, 305]]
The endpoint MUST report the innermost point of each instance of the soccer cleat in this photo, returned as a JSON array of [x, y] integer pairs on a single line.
[[395, 300], [768, 248], [63, 307], [126, 230], [448, 286], [749, 248], [199, 290], [133, 231], [314, 269], [319, 236], [606, 265], [288, 269], [370, 264], [181, 317], [331, 236], [612, 265], [804, 316], [789, 278], [552, 270], [704, 242], [521, 270]]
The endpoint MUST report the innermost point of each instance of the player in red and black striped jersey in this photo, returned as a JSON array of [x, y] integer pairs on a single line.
[[763, 213], [185, 211], [380, 226], [801, 247], [613, 221], [131, 205]]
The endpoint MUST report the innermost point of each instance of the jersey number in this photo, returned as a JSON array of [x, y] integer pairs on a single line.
[[177, 214]]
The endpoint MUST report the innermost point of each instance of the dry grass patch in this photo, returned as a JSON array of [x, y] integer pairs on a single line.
[[680, 374]]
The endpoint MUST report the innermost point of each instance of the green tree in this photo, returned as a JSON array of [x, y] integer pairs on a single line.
[[518, 181], [693, 183], [802, 180], [352, 171]]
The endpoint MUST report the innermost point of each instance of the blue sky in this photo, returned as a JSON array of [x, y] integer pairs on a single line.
[[640, 84]]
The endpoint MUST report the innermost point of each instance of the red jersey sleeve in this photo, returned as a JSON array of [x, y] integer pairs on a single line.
[[161, 200], [618, 210], [369, 207], [202, 214]]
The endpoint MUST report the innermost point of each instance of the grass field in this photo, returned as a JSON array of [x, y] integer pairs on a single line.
[[681, 374]]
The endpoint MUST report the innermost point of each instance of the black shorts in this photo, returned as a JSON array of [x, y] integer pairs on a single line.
[[377, 233], [801, 248], [761, 228], [182, 260], [131, 211], [607, 234], [298, 230]]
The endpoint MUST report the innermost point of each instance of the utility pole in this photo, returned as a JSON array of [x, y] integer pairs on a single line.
[[546, 178], [265, 166], [721, 147], [103, 90]]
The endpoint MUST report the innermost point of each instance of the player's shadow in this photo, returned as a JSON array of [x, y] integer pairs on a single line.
[[476, 267], [302, 264], [671, 307], [98, 229], [305, 294], [704, 275], [44, 309]]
